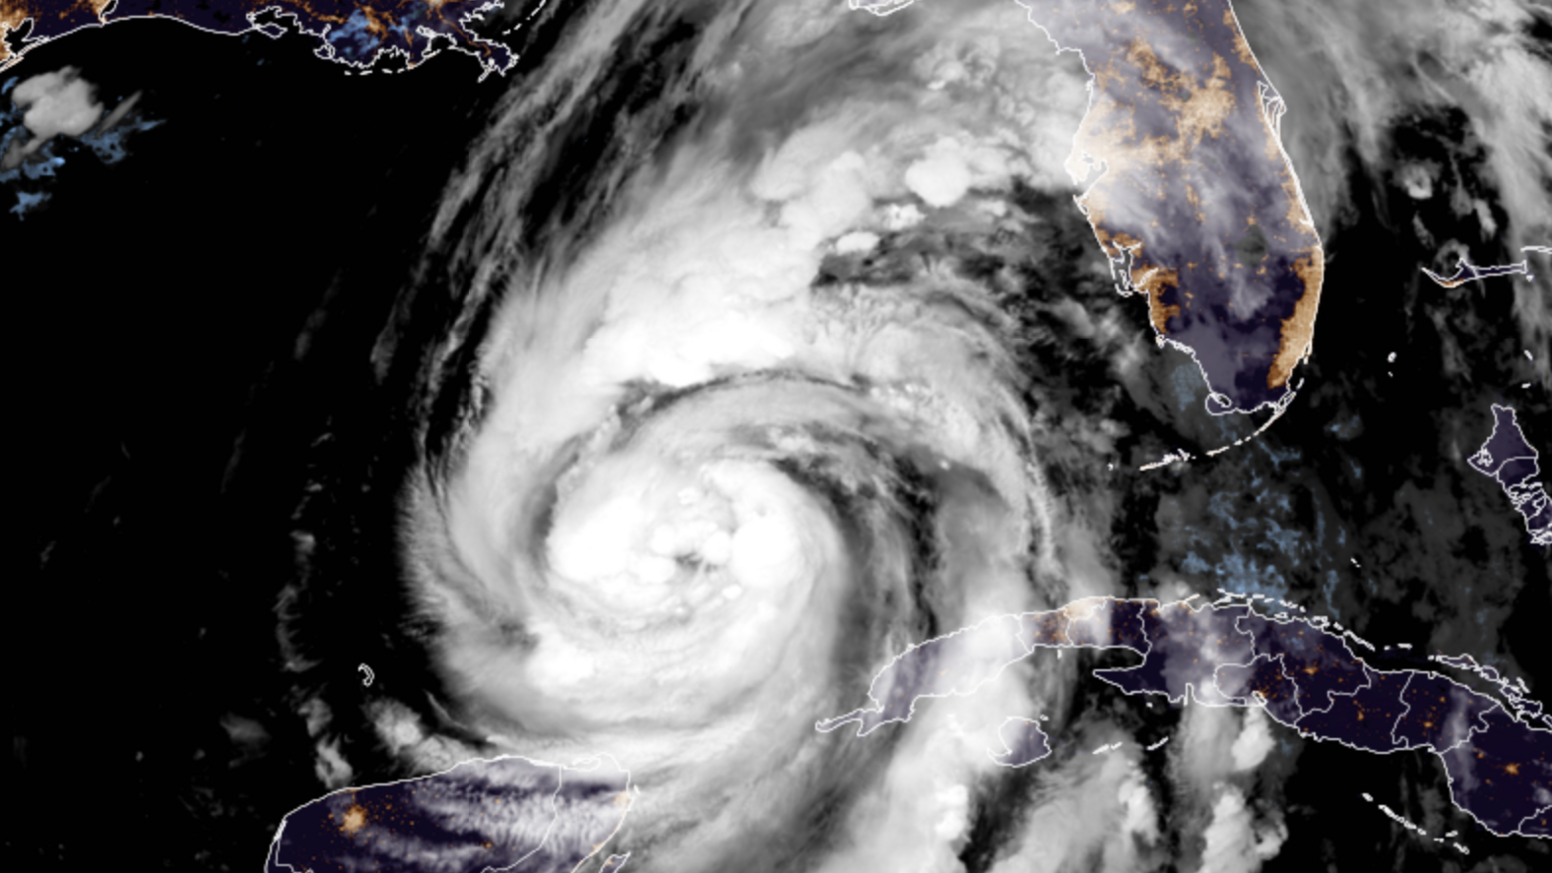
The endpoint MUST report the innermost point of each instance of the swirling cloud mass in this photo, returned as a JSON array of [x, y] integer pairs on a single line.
[[754, 377], [757, 419]]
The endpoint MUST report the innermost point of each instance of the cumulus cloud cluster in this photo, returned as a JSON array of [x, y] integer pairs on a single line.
[[57, 103], [1235, 842], [752, 414]]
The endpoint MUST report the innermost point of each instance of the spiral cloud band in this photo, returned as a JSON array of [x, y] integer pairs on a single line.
[[745, 358], [762, 423]]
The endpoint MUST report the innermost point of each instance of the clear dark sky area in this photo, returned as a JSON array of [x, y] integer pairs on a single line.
[[148, 299], [187, 322]]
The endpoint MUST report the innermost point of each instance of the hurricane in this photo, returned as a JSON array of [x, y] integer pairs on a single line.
[[739, 400], [750, 345], [750, 411]]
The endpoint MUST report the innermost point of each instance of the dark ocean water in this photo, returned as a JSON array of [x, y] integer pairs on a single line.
[[198, 334], [182, 331]]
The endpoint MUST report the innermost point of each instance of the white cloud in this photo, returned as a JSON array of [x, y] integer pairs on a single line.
[[1234, 843], [58, 103], [1141, 818], [1090, 804], [1203, 751], [330, 766], [941, 177], [1254, 741]]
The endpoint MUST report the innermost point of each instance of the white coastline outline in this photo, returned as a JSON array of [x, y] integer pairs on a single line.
[[1482, 458], [272, 859], [1255, 698], [1029, 722], [1273, 108], [323, 51], [829, 725]]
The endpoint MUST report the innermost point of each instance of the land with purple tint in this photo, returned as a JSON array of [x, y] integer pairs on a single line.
[[357, 33], [957, 663], [1498, 756], [1508, 458], [1176, 637], [1187, 188], [1025, 741], [508, 813], [1190, 194]]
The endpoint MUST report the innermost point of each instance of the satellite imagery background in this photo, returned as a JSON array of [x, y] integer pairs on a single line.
[[926, 435]]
